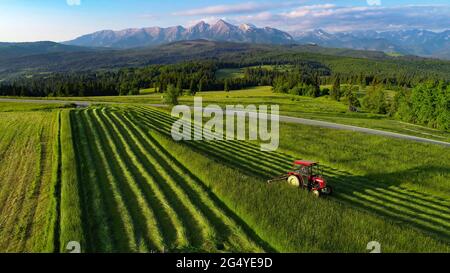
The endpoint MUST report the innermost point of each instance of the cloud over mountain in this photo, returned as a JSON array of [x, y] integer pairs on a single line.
[[298, 16]]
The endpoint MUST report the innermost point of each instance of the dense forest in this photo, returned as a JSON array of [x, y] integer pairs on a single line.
[[201, 76], [426, 104]]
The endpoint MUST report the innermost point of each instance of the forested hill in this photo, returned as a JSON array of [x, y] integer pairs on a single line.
[[17, 50], [236, 54]]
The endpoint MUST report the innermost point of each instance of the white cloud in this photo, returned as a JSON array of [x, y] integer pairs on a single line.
[[246, 7], [346, 18], [220, 9], [73, 2], [374, 2]]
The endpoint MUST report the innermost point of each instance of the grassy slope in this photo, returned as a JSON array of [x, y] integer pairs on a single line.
[[373, 201], [289, 220], [27, 150]]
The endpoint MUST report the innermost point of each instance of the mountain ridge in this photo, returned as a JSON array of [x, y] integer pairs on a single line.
[[151, 36], [407, 42], [21, 49]]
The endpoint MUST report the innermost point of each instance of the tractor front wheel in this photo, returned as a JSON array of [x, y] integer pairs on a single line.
[[294, 181]]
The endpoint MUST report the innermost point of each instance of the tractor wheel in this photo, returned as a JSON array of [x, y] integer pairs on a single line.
[[328, 190], [316, 193], [294, 181]]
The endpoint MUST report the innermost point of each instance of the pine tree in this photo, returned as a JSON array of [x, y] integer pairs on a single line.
[[192, 88], [226, 87], [335, 91]]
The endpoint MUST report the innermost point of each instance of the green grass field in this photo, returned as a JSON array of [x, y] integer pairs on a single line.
[[361, 183], [321, 108], [28, 163], [237, 73], [112, 178]]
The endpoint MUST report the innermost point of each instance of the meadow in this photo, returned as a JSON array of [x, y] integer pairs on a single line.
[[322, 108], [112, 178], [28, 168], [238, 73], [393, 197]]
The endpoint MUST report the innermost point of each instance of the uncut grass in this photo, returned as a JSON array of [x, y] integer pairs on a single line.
[[291, 221], [360, 160], [197, 144], [418, 166], [426, 222]]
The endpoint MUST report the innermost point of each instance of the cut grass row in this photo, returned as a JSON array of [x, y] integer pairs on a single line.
[[358, 192], [151, 202]]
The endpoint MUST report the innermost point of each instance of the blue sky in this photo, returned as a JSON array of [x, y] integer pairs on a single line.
[[59, 20]]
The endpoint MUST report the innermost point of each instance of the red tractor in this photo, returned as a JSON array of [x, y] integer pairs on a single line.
[[307, 175]]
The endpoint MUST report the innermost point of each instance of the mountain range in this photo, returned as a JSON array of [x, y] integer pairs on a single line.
[[139, 47], [407, 42], [404, 42], [220, 31]]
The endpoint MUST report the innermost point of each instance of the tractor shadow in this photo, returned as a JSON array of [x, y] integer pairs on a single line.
[[377, 193]]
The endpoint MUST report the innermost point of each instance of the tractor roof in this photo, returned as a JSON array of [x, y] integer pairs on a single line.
[[305, 163]]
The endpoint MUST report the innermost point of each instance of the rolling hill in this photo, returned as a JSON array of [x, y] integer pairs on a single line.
[[198, 50], [17, 50]]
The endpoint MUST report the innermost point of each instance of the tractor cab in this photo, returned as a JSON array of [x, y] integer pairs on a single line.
[[306, 175], [308, 169], [309, 175]]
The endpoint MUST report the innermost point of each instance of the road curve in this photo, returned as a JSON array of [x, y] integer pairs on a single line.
[[287, 119]]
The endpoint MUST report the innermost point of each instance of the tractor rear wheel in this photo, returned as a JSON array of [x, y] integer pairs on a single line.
[[316, 193], [328, 190], [294, 181]]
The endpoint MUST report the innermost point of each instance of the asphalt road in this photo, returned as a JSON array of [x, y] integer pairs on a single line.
[[288, 119]]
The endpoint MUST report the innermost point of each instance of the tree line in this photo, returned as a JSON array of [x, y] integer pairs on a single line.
[[421, 99]]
